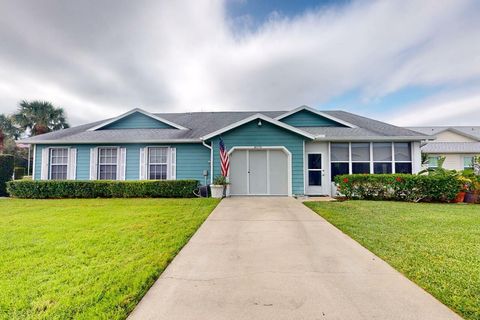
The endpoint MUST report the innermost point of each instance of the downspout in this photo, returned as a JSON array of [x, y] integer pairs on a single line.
[[211, 158]]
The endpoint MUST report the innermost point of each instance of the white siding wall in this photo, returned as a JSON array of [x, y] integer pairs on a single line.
[[448, 136]]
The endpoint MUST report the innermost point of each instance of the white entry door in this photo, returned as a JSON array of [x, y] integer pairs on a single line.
[[317, 177], [259, 172]]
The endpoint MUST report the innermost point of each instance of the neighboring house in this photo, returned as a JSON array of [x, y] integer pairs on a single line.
[[293, 152], [459, 146]]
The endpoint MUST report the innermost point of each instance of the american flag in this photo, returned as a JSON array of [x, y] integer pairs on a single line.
[[224, 159]]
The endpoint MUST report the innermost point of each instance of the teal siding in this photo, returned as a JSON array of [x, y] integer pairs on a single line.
[[250, 134], [306, 118], [137, 120], [192, 159]]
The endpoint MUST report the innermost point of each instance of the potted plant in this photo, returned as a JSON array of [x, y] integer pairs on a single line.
[[464, 187], [217, 188], [471, 185], [472, 194]]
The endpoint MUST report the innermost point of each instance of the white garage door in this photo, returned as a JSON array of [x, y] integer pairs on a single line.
[[259, 172]]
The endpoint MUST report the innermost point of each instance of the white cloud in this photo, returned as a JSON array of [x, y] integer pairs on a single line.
[[461, 107], [100, 59]]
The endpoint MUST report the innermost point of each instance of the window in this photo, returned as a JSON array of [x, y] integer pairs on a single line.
[[403, 157], [339, 152], [339, 169], [157, 163], [382, 151], [468, 162], [370, 157], [382, 167], [433, 161], [58, 163], [315, 169], [360, 157], [401, 167], [340, 156], [107, 163], [361, 167]]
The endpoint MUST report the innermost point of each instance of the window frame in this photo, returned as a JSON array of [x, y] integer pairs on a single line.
[[167, 164], [99, 164], [50, 162]]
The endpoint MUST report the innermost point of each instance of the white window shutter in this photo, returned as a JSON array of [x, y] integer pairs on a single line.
[[45, 164], [173, 163], [143, 164], [121, 163], [93, 163], [72, 164]]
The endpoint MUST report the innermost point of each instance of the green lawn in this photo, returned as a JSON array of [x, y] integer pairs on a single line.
[[435, 245], [89, 258]]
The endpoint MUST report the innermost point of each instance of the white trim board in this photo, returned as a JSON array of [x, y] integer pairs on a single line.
[[320, 113], [146, 113], [256, 117]]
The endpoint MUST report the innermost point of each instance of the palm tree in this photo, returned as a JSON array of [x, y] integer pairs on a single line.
[[39, 117]]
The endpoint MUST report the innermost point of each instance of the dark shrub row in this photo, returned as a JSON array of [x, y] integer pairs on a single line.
[[398, 187], [6, 172], [101, 189]]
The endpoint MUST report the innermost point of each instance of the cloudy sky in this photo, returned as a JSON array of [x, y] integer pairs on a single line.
[[405, 62]]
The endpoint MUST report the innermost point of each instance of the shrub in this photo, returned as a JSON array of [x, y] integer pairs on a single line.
[[101, 189], [399, 187], [6, 172]]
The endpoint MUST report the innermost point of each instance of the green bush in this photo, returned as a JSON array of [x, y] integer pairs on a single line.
[[399, 187], [101, 189], [6, 172]]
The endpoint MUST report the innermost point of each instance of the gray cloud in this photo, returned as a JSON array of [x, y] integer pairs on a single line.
[[100, 58]]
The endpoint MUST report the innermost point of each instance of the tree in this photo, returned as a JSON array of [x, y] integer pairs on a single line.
[[8, 128], [37, 117], [8, 132]]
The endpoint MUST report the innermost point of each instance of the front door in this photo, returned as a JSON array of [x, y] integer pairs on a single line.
[[315, 173]]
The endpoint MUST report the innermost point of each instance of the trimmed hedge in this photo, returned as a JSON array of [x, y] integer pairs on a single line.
[[6, 172], [57, 189], [398, 187]]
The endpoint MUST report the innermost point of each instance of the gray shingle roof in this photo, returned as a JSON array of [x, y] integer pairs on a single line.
[[473, 131], [202, 123], [452, 147]]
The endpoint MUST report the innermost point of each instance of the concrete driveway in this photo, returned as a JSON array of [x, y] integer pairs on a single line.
[[273, 258]]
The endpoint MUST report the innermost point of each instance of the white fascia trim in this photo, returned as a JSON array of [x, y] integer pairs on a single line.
[[123, 142], [148, 114], [320, 113], [255, 117], [367, 139]]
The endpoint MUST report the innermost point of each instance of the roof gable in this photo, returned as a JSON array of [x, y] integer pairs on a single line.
[[260, 117], [305, 116], [137, 119], [452, 135]]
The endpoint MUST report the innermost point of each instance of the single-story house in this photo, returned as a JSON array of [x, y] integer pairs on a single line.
[[459, 145], [296, 152]]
